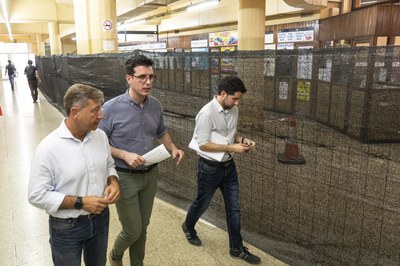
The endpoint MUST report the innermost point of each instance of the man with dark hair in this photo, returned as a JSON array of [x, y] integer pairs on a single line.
[[33, 79], [73, 178], [220, 116], [132, 122], [12, 71]]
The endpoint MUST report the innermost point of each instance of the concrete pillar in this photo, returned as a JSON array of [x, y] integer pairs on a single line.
[[82, 26], [39, 45], [54, 37], [103, 26], [251, 25], [95, 26]]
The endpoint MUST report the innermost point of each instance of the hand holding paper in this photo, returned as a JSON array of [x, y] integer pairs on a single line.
[[215, 138], [156, 155]]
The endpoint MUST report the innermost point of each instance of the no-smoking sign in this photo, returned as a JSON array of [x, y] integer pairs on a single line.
[[107, 25]]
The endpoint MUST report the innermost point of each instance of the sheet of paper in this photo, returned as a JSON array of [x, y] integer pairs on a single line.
[[156, 155], [214, 138]]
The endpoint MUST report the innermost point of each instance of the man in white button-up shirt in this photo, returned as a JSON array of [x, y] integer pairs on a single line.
[[73, 178]]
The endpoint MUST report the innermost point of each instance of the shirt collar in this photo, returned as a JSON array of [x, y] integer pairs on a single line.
[[218, 106], [128, 98], [66, 134]]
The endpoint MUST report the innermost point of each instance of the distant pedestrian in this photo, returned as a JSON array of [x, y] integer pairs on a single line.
[[32, 75], [12, 72]]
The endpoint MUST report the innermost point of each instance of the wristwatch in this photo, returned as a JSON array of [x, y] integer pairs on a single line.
[[78, 203]]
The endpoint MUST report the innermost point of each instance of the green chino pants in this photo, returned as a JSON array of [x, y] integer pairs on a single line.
[[134, 210]]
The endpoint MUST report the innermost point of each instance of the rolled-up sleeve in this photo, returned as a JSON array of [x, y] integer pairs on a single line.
[[41, 191], [202, 131]]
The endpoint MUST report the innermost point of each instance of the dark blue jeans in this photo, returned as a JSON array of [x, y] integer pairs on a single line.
[[68, 237], [11, 78], [209, 179]]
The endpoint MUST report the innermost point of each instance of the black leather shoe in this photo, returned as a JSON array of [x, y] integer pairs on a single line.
[[245, 254], [191, 235]]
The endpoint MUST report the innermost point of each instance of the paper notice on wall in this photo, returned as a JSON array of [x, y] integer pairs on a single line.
[[283, 90], [108, 45]]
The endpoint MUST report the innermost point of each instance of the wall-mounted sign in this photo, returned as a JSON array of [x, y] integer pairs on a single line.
[[269, 37], [285, 46], [107, 25], [108, 45], [283, 90], [296, 35], [223, 38], [199, 43]]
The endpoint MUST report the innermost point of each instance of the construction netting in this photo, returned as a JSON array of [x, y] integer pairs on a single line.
[[323, 184]]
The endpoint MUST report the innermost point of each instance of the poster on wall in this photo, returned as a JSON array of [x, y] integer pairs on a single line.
[[223, 38], [324, 73], [304, 66], [214, 65], [283, 90], [303, 90], [228, 49], [269, 37], [285, 46], [228, 65], [269, 67], [296, 35]]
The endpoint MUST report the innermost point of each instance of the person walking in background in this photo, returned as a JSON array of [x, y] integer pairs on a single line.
[[73, 178], [32, 75], [132, 122], [220, 116], [12, 72]]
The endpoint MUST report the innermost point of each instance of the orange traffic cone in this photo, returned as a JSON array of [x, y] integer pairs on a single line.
[[291, 154]]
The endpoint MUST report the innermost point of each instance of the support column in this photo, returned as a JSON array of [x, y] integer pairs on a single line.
[[39, 45], [95, 26], [82, 27], [251, 26], [54, 36], [103, 26]]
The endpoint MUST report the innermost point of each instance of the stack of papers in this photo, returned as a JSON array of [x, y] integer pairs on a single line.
[[214, 138]]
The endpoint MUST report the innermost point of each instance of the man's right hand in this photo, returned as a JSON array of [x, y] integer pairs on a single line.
[[94, 204], [133, 159]]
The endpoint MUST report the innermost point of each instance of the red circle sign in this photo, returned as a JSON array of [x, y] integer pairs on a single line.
[[107, 24]]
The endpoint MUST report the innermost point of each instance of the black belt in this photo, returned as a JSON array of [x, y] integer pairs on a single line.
[[216, 164], [136, 171], [80, 217]]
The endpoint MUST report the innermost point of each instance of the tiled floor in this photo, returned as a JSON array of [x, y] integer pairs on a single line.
[[24, 229]]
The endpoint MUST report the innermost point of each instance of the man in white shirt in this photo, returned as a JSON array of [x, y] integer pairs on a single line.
[[220, 116], [73, 178]]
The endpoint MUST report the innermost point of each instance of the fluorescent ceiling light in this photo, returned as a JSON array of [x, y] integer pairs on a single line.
[[133, 23], [202, 5], [5, 15]]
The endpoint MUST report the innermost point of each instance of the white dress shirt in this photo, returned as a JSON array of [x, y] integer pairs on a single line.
[[63, 165], [212, 117]]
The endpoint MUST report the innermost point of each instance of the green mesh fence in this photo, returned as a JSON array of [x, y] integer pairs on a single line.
[[338, 109]]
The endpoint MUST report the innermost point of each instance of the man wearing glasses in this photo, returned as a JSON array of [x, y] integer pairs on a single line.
[[132, 121]]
